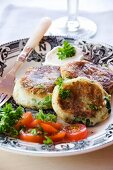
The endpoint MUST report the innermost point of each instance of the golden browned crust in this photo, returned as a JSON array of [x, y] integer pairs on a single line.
[[40, 80], [86, 69], [85, 98], [86, 102]]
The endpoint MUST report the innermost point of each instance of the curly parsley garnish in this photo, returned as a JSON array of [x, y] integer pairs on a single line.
[[66, 51], [8, 118]]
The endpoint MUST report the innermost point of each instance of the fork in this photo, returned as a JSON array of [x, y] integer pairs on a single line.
[[8, 82]]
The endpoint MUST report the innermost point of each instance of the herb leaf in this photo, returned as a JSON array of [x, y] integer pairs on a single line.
[[66, 51], [108, 105], [45, 103], [48, 140], [93, 107], [59, 81], [33, 132], [40, 86], [8, 118], [63, 93], [46, 117]]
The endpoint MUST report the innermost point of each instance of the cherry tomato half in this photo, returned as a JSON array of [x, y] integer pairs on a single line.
[[28, 137], [56, 125], [58, 137], [37, 122], [26, 120], [75, 132], [48, 128]]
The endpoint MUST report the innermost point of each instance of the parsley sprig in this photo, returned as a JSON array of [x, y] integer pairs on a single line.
[[66, 51], [8, 118]]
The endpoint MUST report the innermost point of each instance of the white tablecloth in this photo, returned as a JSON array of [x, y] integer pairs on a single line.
[[17, 20]]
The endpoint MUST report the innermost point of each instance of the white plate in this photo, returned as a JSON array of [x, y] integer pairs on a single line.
[[101, 135]]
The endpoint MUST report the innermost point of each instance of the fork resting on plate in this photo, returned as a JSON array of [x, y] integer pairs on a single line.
[[8, 82]]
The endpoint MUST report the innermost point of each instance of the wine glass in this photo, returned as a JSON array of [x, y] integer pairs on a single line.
[[73, 25]]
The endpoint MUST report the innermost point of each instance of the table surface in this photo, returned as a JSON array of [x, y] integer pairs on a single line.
[[97, 160], [17, 20]]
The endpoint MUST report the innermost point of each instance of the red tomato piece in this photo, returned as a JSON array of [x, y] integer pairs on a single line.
[[76, 132], [35, 123], [26, 120], [48, 128], [58, 136], [28, 137], [56, 125]]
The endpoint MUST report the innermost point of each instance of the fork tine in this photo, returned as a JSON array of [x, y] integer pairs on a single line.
[[3, 98]]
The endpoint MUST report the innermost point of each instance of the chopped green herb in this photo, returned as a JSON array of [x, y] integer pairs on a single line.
[[51, 117], [40, 86], [108, 105], [77, 119], [64, 93], [66, 51], [40, 115], [88, 123], [59, 81], [93, 107], [46, 117], [83, 120], [105, 65], [8, 118], [46, 103], [33, 131], [48, 140]]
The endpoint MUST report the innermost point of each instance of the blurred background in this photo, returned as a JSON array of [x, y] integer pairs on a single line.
[[19, 18]]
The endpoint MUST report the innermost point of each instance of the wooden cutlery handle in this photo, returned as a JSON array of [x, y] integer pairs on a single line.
[[32, 43], [35, 38]]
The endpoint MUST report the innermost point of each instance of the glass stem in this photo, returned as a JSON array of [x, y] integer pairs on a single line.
[[72, 22]]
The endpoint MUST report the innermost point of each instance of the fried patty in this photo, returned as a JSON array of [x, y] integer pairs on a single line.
[[35, 85], [86, 102], [86, 69]]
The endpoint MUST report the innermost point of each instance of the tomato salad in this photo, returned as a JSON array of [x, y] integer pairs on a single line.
[[41, 128], [48, 132]]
